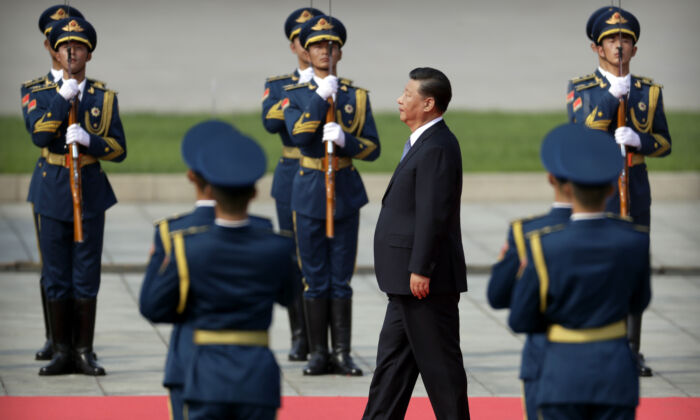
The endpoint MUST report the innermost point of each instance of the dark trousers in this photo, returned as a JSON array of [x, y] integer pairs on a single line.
[[585, 412], [419, 336], [327, 264], [530, 399], [70, 269], [176, 403], [196, 410]]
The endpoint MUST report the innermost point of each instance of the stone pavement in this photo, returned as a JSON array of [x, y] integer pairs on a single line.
[[133, 350]]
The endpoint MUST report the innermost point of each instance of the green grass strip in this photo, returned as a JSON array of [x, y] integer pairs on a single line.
[[490, 141]]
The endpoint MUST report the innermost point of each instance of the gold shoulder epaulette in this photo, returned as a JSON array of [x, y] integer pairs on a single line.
[[171, 217], [645, 80], [585, 86], [547, 229], [281, 77], [345, 81], [297, 86], [528, 218], [583, 78], [618, 216], [641, 228], [190, 230], [33, 82], [98, 83], [51, 85]]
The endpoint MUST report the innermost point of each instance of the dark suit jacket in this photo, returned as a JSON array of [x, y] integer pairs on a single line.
[[418, 230]]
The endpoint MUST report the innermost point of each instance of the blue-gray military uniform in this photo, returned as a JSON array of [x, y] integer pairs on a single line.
[[287, 167], [327, 265], [220, 282], [504, 276], [71, 270], [590, 103], [46, 21], [581, 281]]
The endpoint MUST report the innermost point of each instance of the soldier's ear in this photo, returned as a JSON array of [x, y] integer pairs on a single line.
[[634, 51], [89, 57], [340, 54]]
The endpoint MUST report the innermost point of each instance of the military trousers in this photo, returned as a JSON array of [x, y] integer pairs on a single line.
[[199, 410], [327, 264], [70, 269]]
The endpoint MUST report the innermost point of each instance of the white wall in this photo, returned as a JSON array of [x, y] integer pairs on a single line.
[[176, 55]]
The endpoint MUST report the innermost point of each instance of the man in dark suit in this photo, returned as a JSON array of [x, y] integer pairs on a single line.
[[419, 262]]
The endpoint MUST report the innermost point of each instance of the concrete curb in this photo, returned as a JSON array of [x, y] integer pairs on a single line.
[[489, 187]]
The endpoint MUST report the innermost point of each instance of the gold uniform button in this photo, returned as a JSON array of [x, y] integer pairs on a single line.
[[43, 174], [106, 149], [48, 115], [301, 172], [40, 164]]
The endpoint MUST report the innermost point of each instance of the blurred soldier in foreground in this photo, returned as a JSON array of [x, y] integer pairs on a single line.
[[581, 281], [327, 264], [221, 281], [509, 268], [288, 165], [594, 100], [71, 268]]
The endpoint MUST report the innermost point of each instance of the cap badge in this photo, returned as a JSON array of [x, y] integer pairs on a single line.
[[321, 25], [60, 14], [616, 18], [304, 16], [73, 27]]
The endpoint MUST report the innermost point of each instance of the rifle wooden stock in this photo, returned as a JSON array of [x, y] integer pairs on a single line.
[[623, 180], [76, 189], [330, 165]]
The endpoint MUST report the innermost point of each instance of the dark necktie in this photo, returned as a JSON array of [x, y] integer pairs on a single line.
[[406, 148]]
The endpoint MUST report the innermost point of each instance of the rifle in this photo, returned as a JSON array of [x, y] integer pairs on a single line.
[[623, 181], [73, 160], [331, 161]]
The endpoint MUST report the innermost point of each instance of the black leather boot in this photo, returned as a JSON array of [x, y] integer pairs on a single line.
[[84, 318], [341, 329], [297, 325], [316, 311], [45, 353], [60, 324], [634, 335]]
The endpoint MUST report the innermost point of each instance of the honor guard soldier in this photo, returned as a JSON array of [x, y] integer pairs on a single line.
[[593, 100], [221, 281], [288, 165], [71, 269], [327, 264], [581, 281], [508, 269], [46, 20]]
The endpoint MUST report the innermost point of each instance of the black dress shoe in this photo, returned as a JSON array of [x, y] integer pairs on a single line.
[[644, 370], [343, 364], [86, 364], [61, 364], [44, 353], [318, 365]]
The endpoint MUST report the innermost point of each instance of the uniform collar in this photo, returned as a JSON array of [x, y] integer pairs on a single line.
[[56, 75], [560, 205], [205, 203], [587, 216], [232, 223], [627, 78]]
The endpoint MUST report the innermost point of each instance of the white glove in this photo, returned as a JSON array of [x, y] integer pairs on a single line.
[[333, 132], [327, 87], [306, 75], [619, 87], [628, 137], [69, 89], [76, 134]]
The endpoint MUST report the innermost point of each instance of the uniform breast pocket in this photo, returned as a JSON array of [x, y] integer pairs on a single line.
[[400, 241]]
